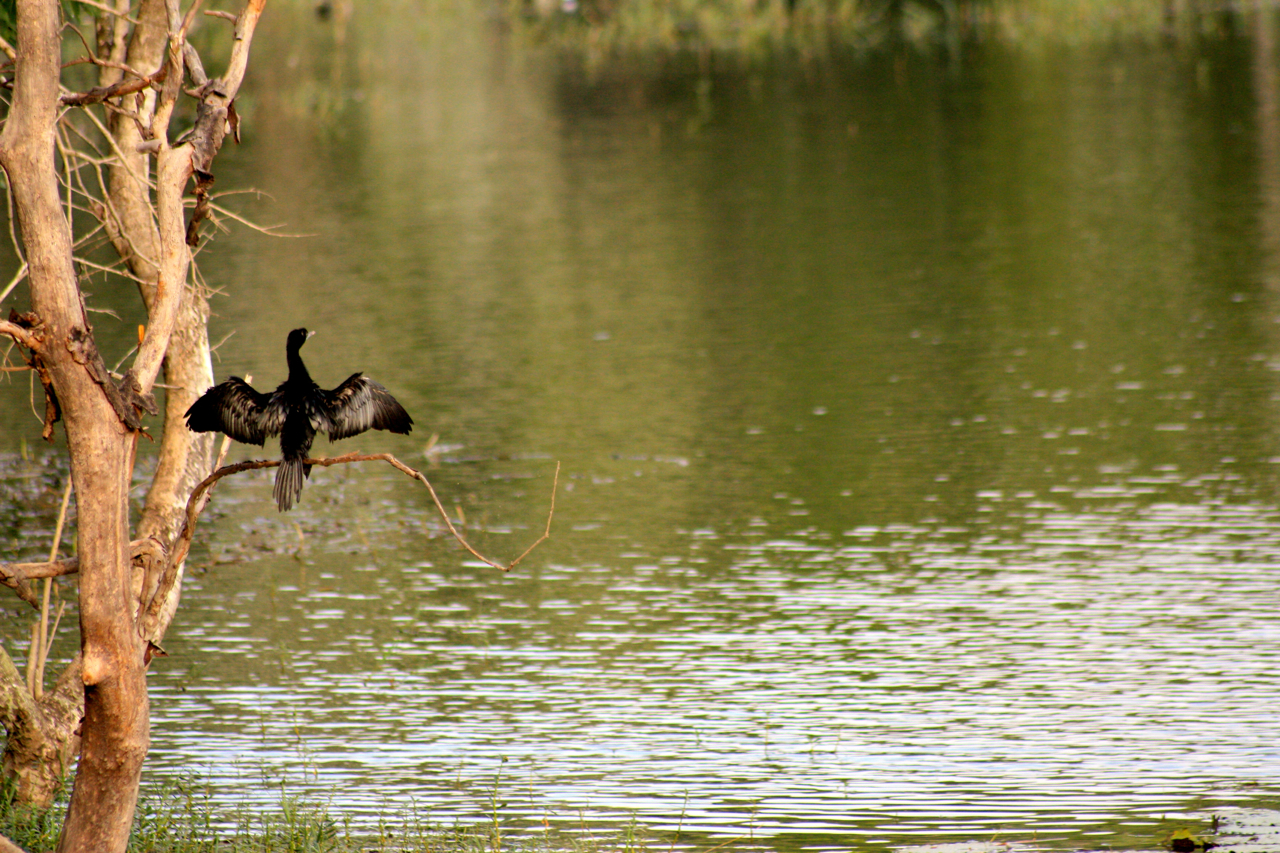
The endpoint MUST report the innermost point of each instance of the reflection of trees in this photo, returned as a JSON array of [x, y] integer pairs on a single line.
[[1032, 248], [983, 275], [1267, 119]]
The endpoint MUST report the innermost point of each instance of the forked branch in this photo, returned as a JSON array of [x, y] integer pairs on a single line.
[[150, 617], [20, 333], [125, 87], [16, 575]]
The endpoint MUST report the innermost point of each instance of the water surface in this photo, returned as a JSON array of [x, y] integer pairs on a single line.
[[916, 421]]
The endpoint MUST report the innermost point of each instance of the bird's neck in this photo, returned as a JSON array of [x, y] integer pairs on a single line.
[[297, 370]]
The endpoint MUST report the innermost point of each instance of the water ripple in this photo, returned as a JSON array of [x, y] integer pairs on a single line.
[[894, 682]]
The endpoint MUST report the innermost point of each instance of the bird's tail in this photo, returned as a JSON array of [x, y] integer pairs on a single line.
[[289, 478]]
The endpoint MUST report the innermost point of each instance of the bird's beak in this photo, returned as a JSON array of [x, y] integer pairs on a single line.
[[310, 333]]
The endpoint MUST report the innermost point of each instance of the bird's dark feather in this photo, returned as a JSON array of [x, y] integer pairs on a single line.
[[288, 485], [235, 408], [360, 404], [296, 411]]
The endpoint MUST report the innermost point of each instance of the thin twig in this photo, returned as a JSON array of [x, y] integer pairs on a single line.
[[12, 574], [419, 476], [182, 546], [40, 649], [144, 185], [270, 230], [88, 50], [31, 658], [105, 8], [226, 439], [213, 350], [93, 144], [13, 282], [13, 223], [47, 640], [187, 21], [114, 270], [546, 534]]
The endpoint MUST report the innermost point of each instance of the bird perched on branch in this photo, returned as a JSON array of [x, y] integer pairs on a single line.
[[296, 411]]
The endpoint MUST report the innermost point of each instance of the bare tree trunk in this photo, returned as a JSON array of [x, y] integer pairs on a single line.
[[145, 219], [116, 725], [185, 457]]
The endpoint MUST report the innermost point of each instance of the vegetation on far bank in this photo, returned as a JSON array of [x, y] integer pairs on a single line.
[[601, 28]]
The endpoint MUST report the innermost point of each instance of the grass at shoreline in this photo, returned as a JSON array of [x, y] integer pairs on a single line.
[[180, 817]]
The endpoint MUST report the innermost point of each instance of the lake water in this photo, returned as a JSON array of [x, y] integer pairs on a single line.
[[919, 423]]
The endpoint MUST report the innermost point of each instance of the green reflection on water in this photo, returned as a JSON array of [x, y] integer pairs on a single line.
[[886, 394]]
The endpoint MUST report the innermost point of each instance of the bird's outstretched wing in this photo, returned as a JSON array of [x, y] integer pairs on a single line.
[[235, 408], [360, 404]]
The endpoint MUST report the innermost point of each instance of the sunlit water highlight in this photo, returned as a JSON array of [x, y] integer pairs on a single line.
[[1094, 674]]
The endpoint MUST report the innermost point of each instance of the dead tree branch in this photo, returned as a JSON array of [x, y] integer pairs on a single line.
[[21, 334], [175, 166], [217, 113], [150, 617], [12, 577], [101, 93], [16, 575], [28, 330]]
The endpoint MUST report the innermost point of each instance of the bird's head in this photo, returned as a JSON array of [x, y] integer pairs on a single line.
[[297, 338]]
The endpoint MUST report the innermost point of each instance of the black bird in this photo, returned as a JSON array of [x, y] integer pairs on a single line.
[[295, 411]]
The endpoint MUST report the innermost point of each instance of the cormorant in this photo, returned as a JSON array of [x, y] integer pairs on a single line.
[[295, 411]]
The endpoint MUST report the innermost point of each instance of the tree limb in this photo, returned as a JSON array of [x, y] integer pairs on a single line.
[[173, 169], [100, 93], [16, 580], [217, 112], [15, 575], [150, 617], [21, 334], [46, 728], [40, 570], [175, 166], [27, 329]]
